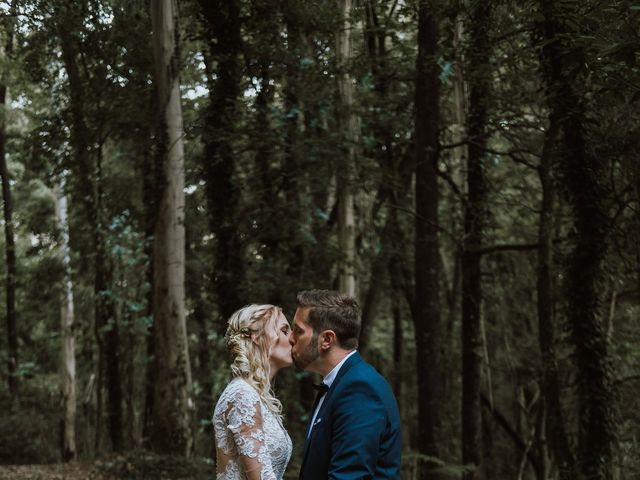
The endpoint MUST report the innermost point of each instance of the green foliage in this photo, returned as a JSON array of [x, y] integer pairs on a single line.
[[285, 143], [29, 431]]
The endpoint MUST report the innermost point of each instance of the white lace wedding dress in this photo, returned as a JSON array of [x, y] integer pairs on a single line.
[[249, 436]]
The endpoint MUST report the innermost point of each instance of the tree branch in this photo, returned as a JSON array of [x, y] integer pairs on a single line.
[[513, 154], [630, 378], [515, 247], [447, 178], [392, 9]]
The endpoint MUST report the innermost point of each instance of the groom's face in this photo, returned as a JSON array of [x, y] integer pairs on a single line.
[[304, 341]]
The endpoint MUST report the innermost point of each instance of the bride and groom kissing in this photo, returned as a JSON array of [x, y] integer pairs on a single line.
[[353, 430]]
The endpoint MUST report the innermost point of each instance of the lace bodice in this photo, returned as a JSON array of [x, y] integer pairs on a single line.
[[249, 436]]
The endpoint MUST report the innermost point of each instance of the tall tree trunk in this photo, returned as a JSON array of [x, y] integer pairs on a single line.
[[588, 333], [129, 349], [474, 220], [637, 186], [106, 320], [88, 190], [580, 172], [204, 372], [10, 249], [153, 182], [555, 433], [271, 235], [294, 147], [222, 22], [373, 297], [67, 325], [459, 100], [398, 344], [348, 123], [426, 315], [150, 382], [172, 399], [383, 151]]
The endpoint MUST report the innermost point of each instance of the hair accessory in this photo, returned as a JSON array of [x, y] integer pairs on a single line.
[[242, 332]]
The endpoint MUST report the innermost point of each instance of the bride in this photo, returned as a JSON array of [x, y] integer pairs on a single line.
[[251, 442]]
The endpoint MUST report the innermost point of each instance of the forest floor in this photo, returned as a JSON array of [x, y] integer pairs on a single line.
[[133, 466], [74, 471]]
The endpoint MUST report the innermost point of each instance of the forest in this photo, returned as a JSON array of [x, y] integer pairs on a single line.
[[468, 169]]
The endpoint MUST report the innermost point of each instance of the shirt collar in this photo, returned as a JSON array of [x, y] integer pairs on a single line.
[[331, 376]]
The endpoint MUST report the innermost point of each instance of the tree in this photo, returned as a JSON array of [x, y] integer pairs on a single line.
[[87, 140], [581, 173], [67, 326], [224, 42], [426, 314], [474, 224], [548, 171], [10, 249], [172, 397], [265, 134], [348, 123]]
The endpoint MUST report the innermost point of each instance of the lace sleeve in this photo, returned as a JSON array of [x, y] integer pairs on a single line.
[[244, 420]]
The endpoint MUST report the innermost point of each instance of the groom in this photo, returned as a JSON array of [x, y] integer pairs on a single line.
[[354, 427]]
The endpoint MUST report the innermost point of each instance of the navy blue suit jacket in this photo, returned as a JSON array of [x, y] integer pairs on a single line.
[[356, 434]]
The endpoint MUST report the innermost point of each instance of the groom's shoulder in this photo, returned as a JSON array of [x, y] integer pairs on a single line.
[[364, 371]]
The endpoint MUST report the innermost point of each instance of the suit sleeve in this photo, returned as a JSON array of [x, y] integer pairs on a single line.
[[359, 421]]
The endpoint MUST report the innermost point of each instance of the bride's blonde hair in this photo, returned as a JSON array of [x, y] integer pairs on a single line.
[[251, 333]]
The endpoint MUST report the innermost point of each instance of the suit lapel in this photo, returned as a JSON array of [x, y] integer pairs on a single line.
[[351, 361]]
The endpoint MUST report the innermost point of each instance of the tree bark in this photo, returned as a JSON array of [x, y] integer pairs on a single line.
[[474, 220], [637, 187], [348, 123], [373, 297], [106, 320], [460, 102], [153, 182], [588, 334], [222, 22], [88, 189], [295, 149], [556, 435], [270, 235], [580, 173], [67, 325], [173, 401], [10, 249], [398, 344], [426, 315]]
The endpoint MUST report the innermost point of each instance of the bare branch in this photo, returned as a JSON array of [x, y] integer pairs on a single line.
[[508, 248]]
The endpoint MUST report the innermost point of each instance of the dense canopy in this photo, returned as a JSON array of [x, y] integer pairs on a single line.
[[468, 170]]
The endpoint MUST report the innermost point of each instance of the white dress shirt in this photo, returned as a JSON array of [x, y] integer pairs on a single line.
[[328, 380]]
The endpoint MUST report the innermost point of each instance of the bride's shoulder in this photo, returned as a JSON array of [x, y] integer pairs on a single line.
[[239, 389], [238, 401]]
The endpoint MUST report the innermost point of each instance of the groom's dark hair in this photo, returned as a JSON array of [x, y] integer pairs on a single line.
[[331, 310]]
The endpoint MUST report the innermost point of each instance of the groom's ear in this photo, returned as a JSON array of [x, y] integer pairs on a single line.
[[327, 339]]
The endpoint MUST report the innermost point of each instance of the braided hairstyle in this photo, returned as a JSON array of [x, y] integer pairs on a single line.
[[251, 333]]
